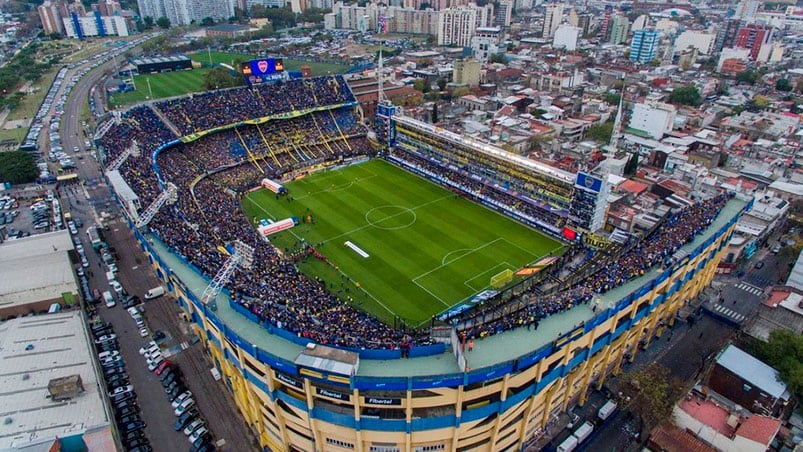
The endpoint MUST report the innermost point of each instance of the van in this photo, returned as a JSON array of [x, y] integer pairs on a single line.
[[606, 410], [109, 299], [568, 445], [583, 432], [156, 292]]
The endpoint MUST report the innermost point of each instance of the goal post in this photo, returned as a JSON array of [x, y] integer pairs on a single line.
[[500, 279]]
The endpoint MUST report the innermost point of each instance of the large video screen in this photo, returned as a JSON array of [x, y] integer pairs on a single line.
[[262, 70]]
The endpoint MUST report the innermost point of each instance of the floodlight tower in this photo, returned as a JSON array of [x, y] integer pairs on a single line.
[[243, 257]]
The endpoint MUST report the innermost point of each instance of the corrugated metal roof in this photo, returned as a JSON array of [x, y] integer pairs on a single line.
[[751, 369]]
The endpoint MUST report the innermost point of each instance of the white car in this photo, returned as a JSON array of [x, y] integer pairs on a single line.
[[154, 363], [198, 433], [143, 332], [109, 354], [121, 390], [181, 398], [117, 287], [133, 311], [196, 424], [146, 347], [184, 406]]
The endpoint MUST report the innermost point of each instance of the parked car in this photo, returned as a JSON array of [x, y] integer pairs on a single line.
[[185, 405], [139, 425], [198, 434], [185, 419], [197, 423], [180, 398], [121, 390]]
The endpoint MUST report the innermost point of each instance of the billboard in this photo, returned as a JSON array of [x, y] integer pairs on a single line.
[[262, 70], [588, 182]]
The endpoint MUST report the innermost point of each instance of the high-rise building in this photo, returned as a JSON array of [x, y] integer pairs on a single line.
[[644, 46], [747, 9], [552, 18], [753, 36], [703, 42], [605, 27], [726, 35], [50, 15], [109, 8], [94, 24], [457, 25], [619, 28], [503, 14], [485, 42], [183, 12]]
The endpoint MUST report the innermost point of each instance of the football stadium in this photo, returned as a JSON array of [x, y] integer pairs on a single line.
[[396, 289]]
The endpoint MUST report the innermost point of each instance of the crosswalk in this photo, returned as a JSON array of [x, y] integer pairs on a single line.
[[727, 313], [750, 288]]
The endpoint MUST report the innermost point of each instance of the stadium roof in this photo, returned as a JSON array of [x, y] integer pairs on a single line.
[[36, 268], [159, 59], [121, 187], [751, 369], [515, 159], [34, 351], [329, 359]]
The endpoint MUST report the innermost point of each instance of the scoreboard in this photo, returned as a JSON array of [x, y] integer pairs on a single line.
[[262, 70]]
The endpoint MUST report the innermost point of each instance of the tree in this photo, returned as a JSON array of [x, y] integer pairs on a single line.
[[601, 133], [421, 85], [461, 91], [498, 58], [631, 165], [163, 22], [17, 167], [434, 113], [148, 21], [783, 84], [686, 95], [441, 84], [652, 393], [613, 99], [207, 22], [784, 352], [761, 102], [219, 77], [748, 77]]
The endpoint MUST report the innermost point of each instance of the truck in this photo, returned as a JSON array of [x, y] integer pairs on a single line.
[[606, 410], [568, 445], [156, 292], [583, 431]]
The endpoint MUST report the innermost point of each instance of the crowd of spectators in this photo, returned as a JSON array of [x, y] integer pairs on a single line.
[[199, 112], [213, 171]]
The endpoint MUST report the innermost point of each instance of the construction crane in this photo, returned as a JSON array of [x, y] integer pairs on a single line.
[[169, 196], [120, 159], [243, 257]]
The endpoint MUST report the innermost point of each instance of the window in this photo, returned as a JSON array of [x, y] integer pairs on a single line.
[[338, 443], [746, 387], [383, 449], [430, 448]]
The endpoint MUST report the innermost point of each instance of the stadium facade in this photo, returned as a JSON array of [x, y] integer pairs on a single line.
[[505, 393]]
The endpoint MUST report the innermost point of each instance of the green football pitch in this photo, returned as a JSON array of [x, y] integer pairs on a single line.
[[424, 249]]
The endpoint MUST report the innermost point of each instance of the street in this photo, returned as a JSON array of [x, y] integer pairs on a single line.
[[214, 400]]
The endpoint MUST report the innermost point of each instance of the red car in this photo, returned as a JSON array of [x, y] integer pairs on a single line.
[[164, 365]]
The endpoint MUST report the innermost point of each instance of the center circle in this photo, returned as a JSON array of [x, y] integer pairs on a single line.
[[390, 217]]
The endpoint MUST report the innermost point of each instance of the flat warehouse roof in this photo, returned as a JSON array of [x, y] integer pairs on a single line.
[[34, 351], [36, 268]]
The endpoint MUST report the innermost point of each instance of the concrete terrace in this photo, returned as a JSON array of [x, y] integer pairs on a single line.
[[487, 352]]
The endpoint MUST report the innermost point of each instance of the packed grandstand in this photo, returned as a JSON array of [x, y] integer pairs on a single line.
[[313, 122]]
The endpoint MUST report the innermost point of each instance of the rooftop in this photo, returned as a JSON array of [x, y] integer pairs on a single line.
[[36, 268], [33, 352], [761, 429], [751, 369]]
